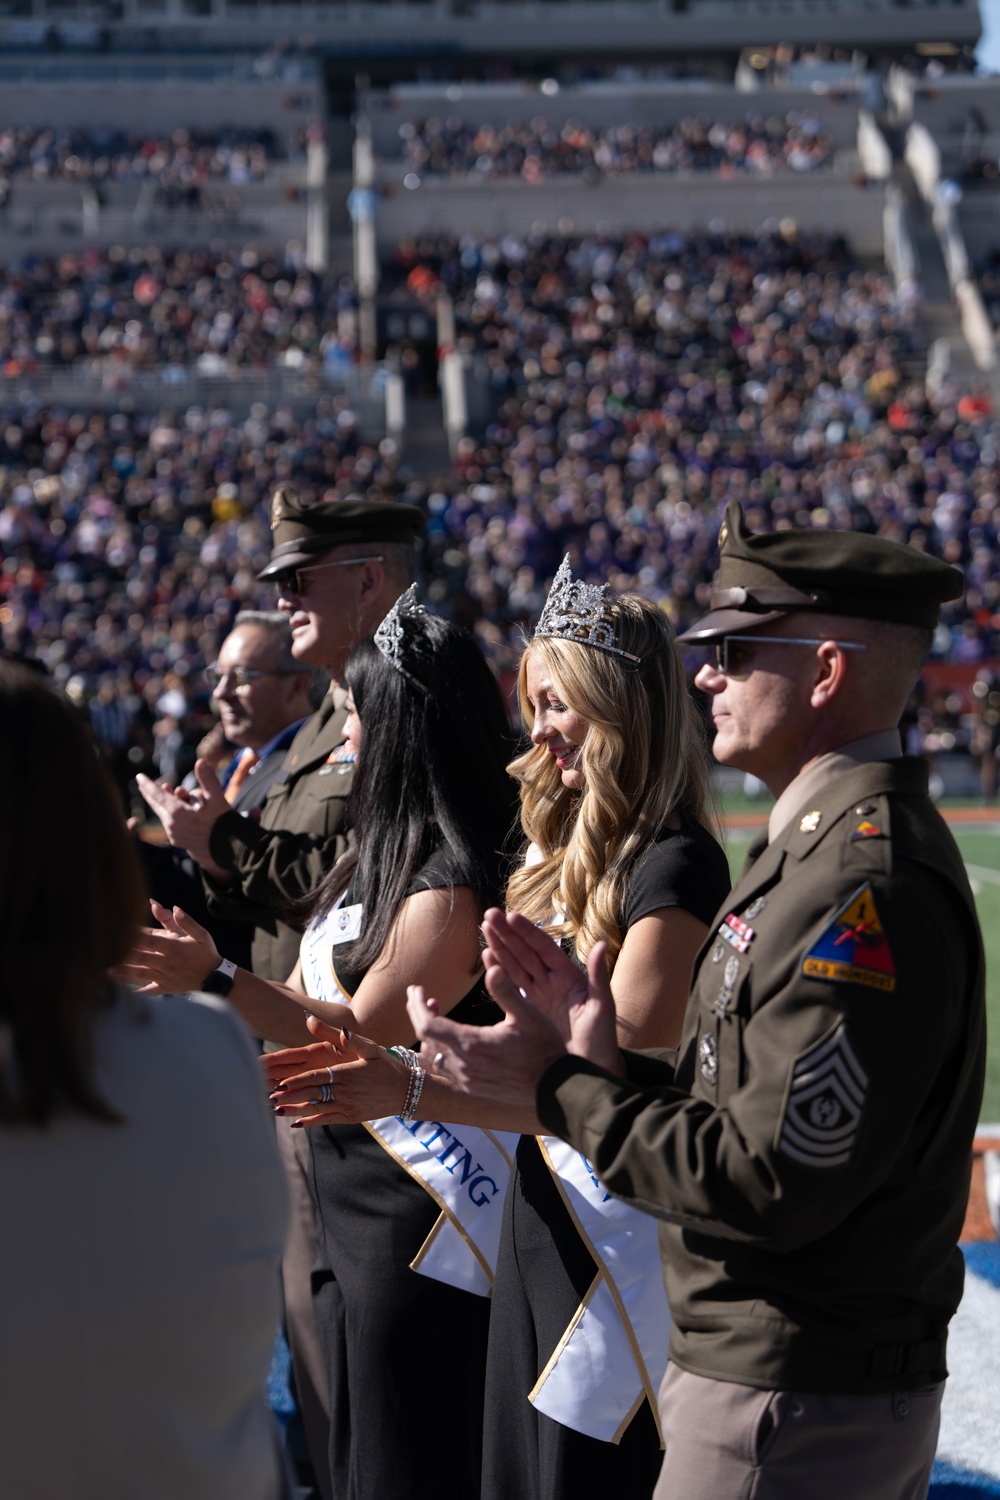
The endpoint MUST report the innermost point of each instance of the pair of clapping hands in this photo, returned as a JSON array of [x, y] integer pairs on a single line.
[[551, 1007]]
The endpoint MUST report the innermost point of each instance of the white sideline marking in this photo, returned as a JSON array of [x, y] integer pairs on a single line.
[[972, 1393]]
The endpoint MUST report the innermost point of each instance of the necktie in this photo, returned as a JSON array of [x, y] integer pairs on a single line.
[[244, 766]]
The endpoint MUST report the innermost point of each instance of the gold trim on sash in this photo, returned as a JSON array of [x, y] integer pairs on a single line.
[[348, 995], [567, 1335], [436, 1229], [499, 1145], [612, 1288], [637, 1403], [437, 1199]]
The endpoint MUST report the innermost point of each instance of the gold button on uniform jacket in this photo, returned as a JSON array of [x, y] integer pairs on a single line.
[[809, 1146]]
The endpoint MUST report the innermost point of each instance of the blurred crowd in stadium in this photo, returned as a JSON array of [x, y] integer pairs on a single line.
[[124, 310], [113, 156], [537, 149], [636, 386]]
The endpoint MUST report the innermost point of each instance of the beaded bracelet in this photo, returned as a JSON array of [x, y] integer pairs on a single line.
[[414, 1083], [416, 1088]]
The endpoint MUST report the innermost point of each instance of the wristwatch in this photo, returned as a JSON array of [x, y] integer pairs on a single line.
[[220, 981]]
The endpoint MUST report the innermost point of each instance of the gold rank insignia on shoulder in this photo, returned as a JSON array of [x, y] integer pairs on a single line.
[[810, 822]]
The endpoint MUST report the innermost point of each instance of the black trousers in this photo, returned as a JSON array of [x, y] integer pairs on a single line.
[[543, 1271], [405, 1355]]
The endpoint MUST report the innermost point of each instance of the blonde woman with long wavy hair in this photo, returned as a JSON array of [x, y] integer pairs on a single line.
[[640, 771], [613, 809]]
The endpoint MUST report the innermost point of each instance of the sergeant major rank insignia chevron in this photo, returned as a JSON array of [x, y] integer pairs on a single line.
[[853, 949]]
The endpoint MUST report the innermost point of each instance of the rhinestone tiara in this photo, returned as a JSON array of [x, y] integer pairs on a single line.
[[389, 635], [576, 611]]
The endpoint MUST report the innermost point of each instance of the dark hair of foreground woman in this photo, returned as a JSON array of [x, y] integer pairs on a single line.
[[71, 900]]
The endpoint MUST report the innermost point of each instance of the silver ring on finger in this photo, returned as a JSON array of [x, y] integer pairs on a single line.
[[326, 1094], [439, 1060], [329, 1074]]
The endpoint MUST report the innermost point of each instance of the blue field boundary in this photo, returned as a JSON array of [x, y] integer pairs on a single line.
[[948, 1483], [982, 1258]]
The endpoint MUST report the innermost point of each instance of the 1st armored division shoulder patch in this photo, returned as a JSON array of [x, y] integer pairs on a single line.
[[854, 948]]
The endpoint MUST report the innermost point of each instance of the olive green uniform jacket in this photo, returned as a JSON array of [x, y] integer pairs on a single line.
[[301, 833], [810, 1154]]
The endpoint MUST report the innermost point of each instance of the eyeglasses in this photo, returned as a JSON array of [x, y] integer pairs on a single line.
[[295, 582], [736, 663], [243, 678]]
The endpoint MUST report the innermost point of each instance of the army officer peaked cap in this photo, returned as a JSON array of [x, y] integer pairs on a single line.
[[300, 534], [763, 576]]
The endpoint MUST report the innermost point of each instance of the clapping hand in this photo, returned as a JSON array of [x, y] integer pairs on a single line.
[[172, 958], [188, 818], [551, 1008], [364, 1080]]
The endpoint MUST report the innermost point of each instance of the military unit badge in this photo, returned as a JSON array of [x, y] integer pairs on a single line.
[[853, 949]]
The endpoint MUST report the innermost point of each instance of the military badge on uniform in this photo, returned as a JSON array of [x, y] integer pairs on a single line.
[[826, 1094], [708, 1058], [730, 975], [866, 830], [755, 908], [810, 822], [854, 948], [340, 760], [736, 933]]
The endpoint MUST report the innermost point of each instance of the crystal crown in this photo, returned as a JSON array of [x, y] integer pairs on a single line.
[[390, 635], [576, 611]]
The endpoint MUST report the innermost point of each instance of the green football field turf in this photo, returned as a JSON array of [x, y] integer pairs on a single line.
[[981, 852]]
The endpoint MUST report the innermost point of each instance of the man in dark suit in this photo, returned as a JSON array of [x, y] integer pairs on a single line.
[[263, 697]]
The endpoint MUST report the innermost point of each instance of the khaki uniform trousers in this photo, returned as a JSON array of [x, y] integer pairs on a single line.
[[300, 1318], [733, 1442]]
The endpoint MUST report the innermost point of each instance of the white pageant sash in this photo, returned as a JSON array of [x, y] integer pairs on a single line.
[[316, 957], [463, 1168], [614, 1352]]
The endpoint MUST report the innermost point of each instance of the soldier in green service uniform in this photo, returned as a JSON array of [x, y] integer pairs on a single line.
[[808, 1148], [339, 566]]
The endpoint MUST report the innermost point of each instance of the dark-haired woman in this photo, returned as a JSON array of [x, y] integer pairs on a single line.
[[143, 1214], [403, 1271]]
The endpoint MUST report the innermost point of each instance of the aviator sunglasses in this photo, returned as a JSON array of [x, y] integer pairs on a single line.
[[735, 663], [295, 580]]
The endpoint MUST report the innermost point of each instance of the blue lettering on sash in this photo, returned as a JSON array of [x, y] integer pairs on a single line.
[[437, 1133], [590, 1174], [479, 1189], [483, 1196]]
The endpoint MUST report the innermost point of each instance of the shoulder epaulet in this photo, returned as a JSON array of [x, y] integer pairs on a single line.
[[866, 836]]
